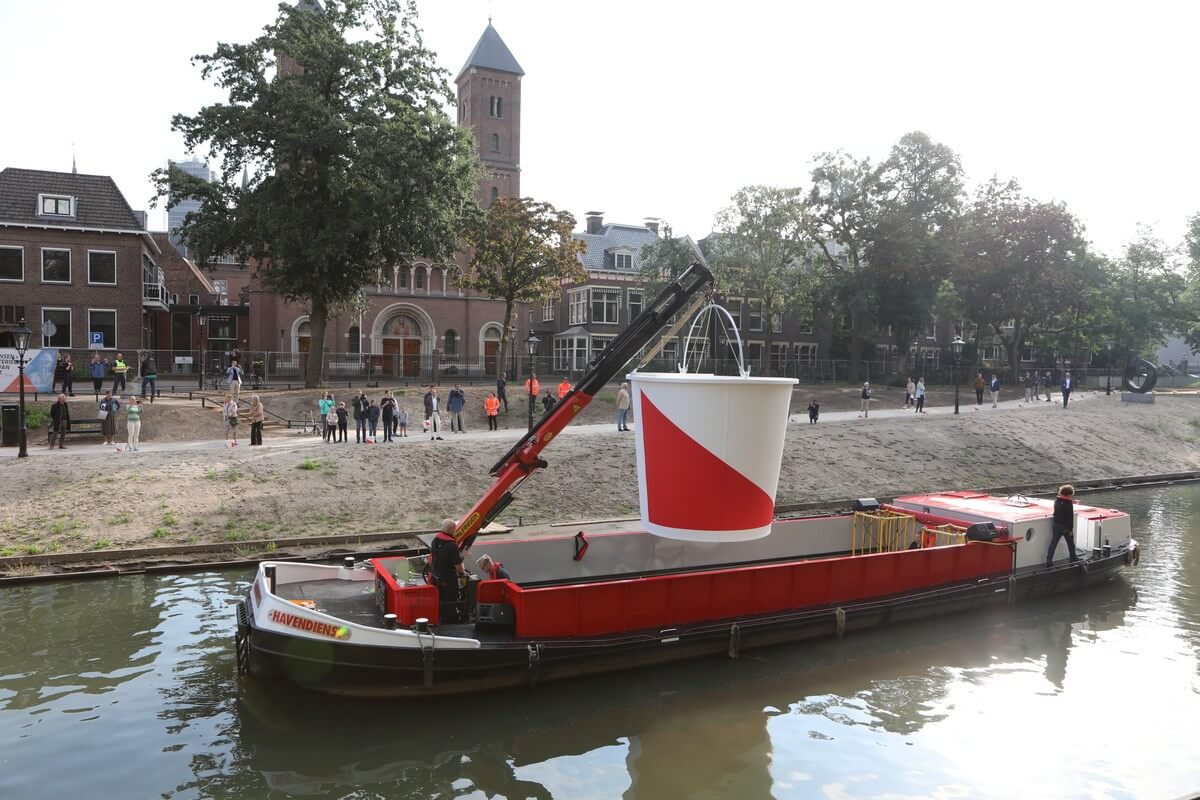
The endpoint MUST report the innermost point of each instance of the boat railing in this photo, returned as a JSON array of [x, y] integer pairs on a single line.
[[886, 531]]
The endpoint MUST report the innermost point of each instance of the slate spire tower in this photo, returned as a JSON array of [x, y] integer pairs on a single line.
[[489, 101]]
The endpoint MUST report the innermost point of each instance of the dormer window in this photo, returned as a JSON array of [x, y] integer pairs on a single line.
[[623, 260], [56, 205]]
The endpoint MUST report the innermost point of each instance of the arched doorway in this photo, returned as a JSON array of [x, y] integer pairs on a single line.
[[301, 335], [400, 340], [489, 347]]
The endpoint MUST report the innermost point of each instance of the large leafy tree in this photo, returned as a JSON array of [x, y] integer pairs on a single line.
[[1191, 249], [839, 219], [337, 113], [1146, 290], [523, 252], [664, 259], [1021, 264], [911, 245], [757, 250]]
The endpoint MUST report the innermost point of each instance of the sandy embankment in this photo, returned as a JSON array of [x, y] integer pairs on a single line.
[[98, 502]]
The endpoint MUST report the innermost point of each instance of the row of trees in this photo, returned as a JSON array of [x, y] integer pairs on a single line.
[[888, 246]]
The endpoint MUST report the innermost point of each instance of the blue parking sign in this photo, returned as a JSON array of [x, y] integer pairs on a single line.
[[98, 337]]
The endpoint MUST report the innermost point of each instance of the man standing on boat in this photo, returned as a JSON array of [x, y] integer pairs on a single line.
[[447, 569], [1064, 523]]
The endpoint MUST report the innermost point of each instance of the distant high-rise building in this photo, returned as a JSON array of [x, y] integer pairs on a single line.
[[175, 215]]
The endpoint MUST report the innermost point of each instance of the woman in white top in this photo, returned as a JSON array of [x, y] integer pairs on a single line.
[[920, 395], [229, 416]]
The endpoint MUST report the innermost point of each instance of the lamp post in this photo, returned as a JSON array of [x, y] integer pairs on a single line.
[[531, 345], [957, 346], [201, 318], [1108, 369], [21, 339]]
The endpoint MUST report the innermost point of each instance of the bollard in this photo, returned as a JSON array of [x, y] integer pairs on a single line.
[[348, 562], [389, 621], [422, 625]]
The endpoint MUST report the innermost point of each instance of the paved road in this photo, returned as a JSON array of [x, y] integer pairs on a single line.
[[295, 440]]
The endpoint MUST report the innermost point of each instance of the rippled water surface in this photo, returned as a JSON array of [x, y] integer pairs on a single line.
[[125, 688]]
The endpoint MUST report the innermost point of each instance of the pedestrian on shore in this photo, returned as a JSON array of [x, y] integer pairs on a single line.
[[148, 369], [342, 416], [1036, 379], [979, 387], [97, 369], [864, 401], [994, 388], [257, 416], [814, 411], [1068, 385], [133, 424], [325, 405], [235, 356], [624, 401], [60, 422], [1028, 388], [59, 372], [387, 410], [548, 402], [501, 384], [362, 409], [234, 376], [920, 395], [68, 376], [910, 392], [564, 386], [229, 416], [373, 421], [402, 420], [433, 419], [455, 404], [1047, 384], [1063, 525], [491, 408], [109, 407], [532, 389], [119, 369]]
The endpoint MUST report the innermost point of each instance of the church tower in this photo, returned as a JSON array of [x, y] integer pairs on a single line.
[[489, 102]]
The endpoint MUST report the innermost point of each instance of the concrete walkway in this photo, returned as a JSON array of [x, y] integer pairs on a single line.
[[505, 436]]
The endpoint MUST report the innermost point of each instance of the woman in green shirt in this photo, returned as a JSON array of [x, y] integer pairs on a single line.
[[133, 423]]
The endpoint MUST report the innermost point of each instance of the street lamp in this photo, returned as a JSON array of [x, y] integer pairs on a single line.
[[21, 339], [1108, 369], [531, 345], [201, 318], [957, 346]]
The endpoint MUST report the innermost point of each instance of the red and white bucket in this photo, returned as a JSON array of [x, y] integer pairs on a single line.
[[709, 448]]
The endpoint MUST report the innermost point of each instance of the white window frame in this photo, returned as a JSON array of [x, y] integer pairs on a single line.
[[751, 304], [1029, 353], [750, 345], [607, 292], [806, 351], [193, 299], [22, 249], [629, 304], [70, 323], [670, 352], [622, 254], [776, 322], [70, 269], [112, 311], [548, 304], [784, 351], [577, 306], [41, 205], [734, 307], [91, 282], [805, 324], [603, 340]]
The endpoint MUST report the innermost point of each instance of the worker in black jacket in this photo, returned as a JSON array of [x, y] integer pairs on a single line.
[[1064, 523], [60, 422], [362, 409], [447, 569]]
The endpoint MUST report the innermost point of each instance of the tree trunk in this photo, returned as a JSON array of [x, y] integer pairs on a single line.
[[317, 318], [505, 340], [858, 336]]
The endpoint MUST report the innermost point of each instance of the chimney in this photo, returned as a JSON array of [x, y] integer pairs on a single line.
[[141, 218], [595, 221], [652, 224]]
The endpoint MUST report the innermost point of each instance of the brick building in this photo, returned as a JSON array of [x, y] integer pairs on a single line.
[[77, 263]]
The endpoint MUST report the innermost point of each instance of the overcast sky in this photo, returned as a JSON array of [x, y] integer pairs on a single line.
[[665, 109]]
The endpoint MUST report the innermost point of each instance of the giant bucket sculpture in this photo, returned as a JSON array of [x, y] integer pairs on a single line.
[[709, 449]]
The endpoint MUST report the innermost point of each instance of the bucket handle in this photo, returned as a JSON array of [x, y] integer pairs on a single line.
[[737, 337]]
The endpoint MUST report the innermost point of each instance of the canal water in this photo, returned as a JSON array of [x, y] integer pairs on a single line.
[[126, 688]]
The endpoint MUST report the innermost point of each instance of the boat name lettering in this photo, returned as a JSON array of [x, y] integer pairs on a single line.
[[310, 625]]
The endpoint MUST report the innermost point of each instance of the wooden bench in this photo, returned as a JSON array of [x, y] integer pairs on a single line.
[[80, 426]]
